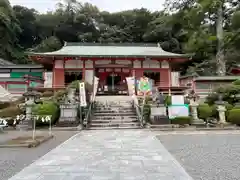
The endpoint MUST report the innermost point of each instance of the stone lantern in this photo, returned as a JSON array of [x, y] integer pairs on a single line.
[[221, 109], [30, 100], [192, 96]]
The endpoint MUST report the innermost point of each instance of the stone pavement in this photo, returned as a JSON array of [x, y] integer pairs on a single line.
[[107, 155]]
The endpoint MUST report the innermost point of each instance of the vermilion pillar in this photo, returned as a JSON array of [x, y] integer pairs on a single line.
[[165, 77], [58, 74]]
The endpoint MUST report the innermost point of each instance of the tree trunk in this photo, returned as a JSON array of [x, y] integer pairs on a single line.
[[220, 61]]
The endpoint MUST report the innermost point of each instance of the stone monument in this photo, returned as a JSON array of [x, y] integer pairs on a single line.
[[68, 110], [158, 110]]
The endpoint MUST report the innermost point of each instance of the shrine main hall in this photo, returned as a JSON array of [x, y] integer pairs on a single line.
[[111, 63]]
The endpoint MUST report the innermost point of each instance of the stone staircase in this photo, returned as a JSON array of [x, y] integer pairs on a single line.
[[114, 112]]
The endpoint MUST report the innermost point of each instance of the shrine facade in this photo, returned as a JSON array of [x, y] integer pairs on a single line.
[[111, 63]]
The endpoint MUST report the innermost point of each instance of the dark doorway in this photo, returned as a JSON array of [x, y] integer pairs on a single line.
[[153, 75], [72, 76], [113, 80]]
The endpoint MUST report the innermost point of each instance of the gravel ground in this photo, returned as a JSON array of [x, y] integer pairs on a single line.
[[12, 160], [206, 156]]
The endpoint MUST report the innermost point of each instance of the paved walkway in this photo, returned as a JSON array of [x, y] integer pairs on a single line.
[[107, 155]]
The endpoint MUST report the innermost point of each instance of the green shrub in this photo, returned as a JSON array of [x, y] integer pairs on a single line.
[[237, 82], [11, 111], [59, 95], [234, 116], [47, 108], [4, 105], [181, 120], [204, 111], [167, 100], [146, 112]]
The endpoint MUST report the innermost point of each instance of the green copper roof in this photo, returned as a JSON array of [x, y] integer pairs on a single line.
[[111, 50]]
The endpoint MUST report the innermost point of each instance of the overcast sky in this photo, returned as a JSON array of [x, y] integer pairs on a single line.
[[107, 5]]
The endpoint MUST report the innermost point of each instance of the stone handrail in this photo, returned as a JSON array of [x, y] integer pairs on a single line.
[[138, 110], [89, 110]]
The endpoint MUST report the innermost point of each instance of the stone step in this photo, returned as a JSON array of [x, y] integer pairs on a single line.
[[114, 114], [114, 111], [114, 117], [115, 106], [131, 124], [104, 121], [112, 128]]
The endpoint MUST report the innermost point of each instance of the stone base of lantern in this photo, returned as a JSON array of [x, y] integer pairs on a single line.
[[25, 125], [198, 123]]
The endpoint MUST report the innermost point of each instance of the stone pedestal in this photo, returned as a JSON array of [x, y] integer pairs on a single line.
[[27, 123], [195, 120], [221, 110], [68, 115]]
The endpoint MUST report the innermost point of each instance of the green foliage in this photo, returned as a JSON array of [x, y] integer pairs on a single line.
[[228, 93], [233, 116], [181, 120], [146, 112], [4, 105], [11, 111], [236, 83], [59, 95], [204, 111], [167, 100], [47, 108]]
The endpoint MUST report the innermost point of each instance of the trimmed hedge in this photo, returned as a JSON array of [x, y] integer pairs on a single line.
[[181, 120], [234, 116], [204, 111], [47, 108]]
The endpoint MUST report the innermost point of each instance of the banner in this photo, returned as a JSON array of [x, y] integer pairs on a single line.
[[144, 86], [131, 85], [95, 87], [82, 95]]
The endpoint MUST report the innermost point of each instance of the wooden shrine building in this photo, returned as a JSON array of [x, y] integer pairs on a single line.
[[111, 63]]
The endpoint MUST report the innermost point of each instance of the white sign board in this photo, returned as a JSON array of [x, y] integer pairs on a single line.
[[177, 100], [82, 94], [178, 110]]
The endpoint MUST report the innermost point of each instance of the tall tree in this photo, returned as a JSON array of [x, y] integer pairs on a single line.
[[9, 30]]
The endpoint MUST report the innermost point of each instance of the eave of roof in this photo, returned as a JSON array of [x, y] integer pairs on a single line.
[[111, 50], [27, 66], [217, 78]]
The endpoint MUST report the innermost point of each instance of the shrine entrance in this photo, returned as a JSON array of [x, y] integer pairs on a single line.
[[112, 81]]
